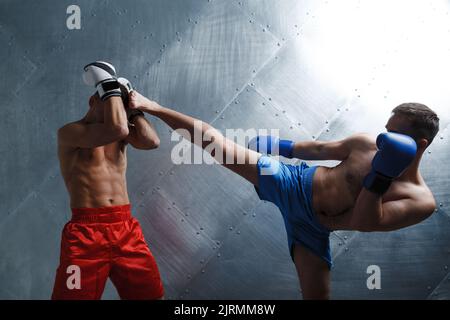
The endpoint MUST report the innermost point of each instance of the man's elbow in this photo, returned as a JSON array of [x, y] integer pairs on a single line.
[[155, 143], [430, 210], [152, 143], [119, 132]]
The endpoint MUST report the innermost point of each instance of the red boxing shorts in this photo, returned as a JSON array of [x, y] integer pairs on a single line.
[[105, 242]]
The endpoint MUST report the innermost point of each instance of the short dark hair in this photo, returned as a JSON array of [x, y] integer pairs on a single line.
[[424, 122]]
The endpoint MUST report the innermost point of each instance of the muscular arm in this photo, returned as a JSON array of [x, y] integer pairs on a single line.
[[142, 135], [328, 150], [83, 135], [371, 214], [243, 160]]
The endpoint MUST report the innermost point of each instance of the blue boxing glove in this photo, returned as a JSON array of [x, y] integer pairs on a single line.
[[272, 145], [102, 76], [395, 153]]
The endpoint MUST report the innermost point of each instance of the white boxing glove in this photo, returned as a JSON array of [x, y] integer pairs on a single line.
[[127, 88], [126, 85], [102, 76]]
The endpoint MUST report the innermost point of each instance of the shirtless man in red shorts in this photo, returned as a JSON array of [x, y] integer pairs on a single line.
[[102, 239]]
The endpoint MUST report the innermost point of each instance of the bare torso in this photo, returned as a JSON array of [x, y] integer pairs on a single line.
[[335, 190], [95, 177]]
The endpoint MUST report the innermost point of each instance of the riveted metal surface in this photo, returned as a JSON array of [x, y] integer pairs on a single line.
[[312, 69]]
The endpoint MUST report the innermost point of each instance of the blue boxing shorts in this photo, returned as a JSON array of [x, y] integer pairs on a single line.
[[289, 187]]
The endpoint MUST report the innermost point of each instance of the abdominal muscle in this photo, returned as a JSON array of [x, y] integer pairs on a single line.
[[95, 181]]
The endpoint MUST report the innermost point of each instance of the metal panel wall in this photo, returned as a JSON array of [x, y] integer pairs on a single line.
[[259, 64]]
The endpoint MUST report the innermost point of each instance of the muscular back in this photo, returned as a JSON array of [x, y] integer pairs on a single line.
[[335, 190], [95, 177], [338, 187]]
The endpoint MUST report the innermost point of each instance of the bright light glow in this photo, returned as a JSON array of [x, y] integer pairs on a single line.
[[386, 51]]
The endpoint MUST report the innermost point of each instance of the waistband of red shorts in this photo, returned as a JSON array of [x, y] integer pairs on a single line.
[[102, 214]]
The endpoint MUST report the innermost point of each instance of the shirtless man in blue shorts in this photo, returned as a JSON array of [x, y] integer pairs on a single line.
[[376, 187]]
